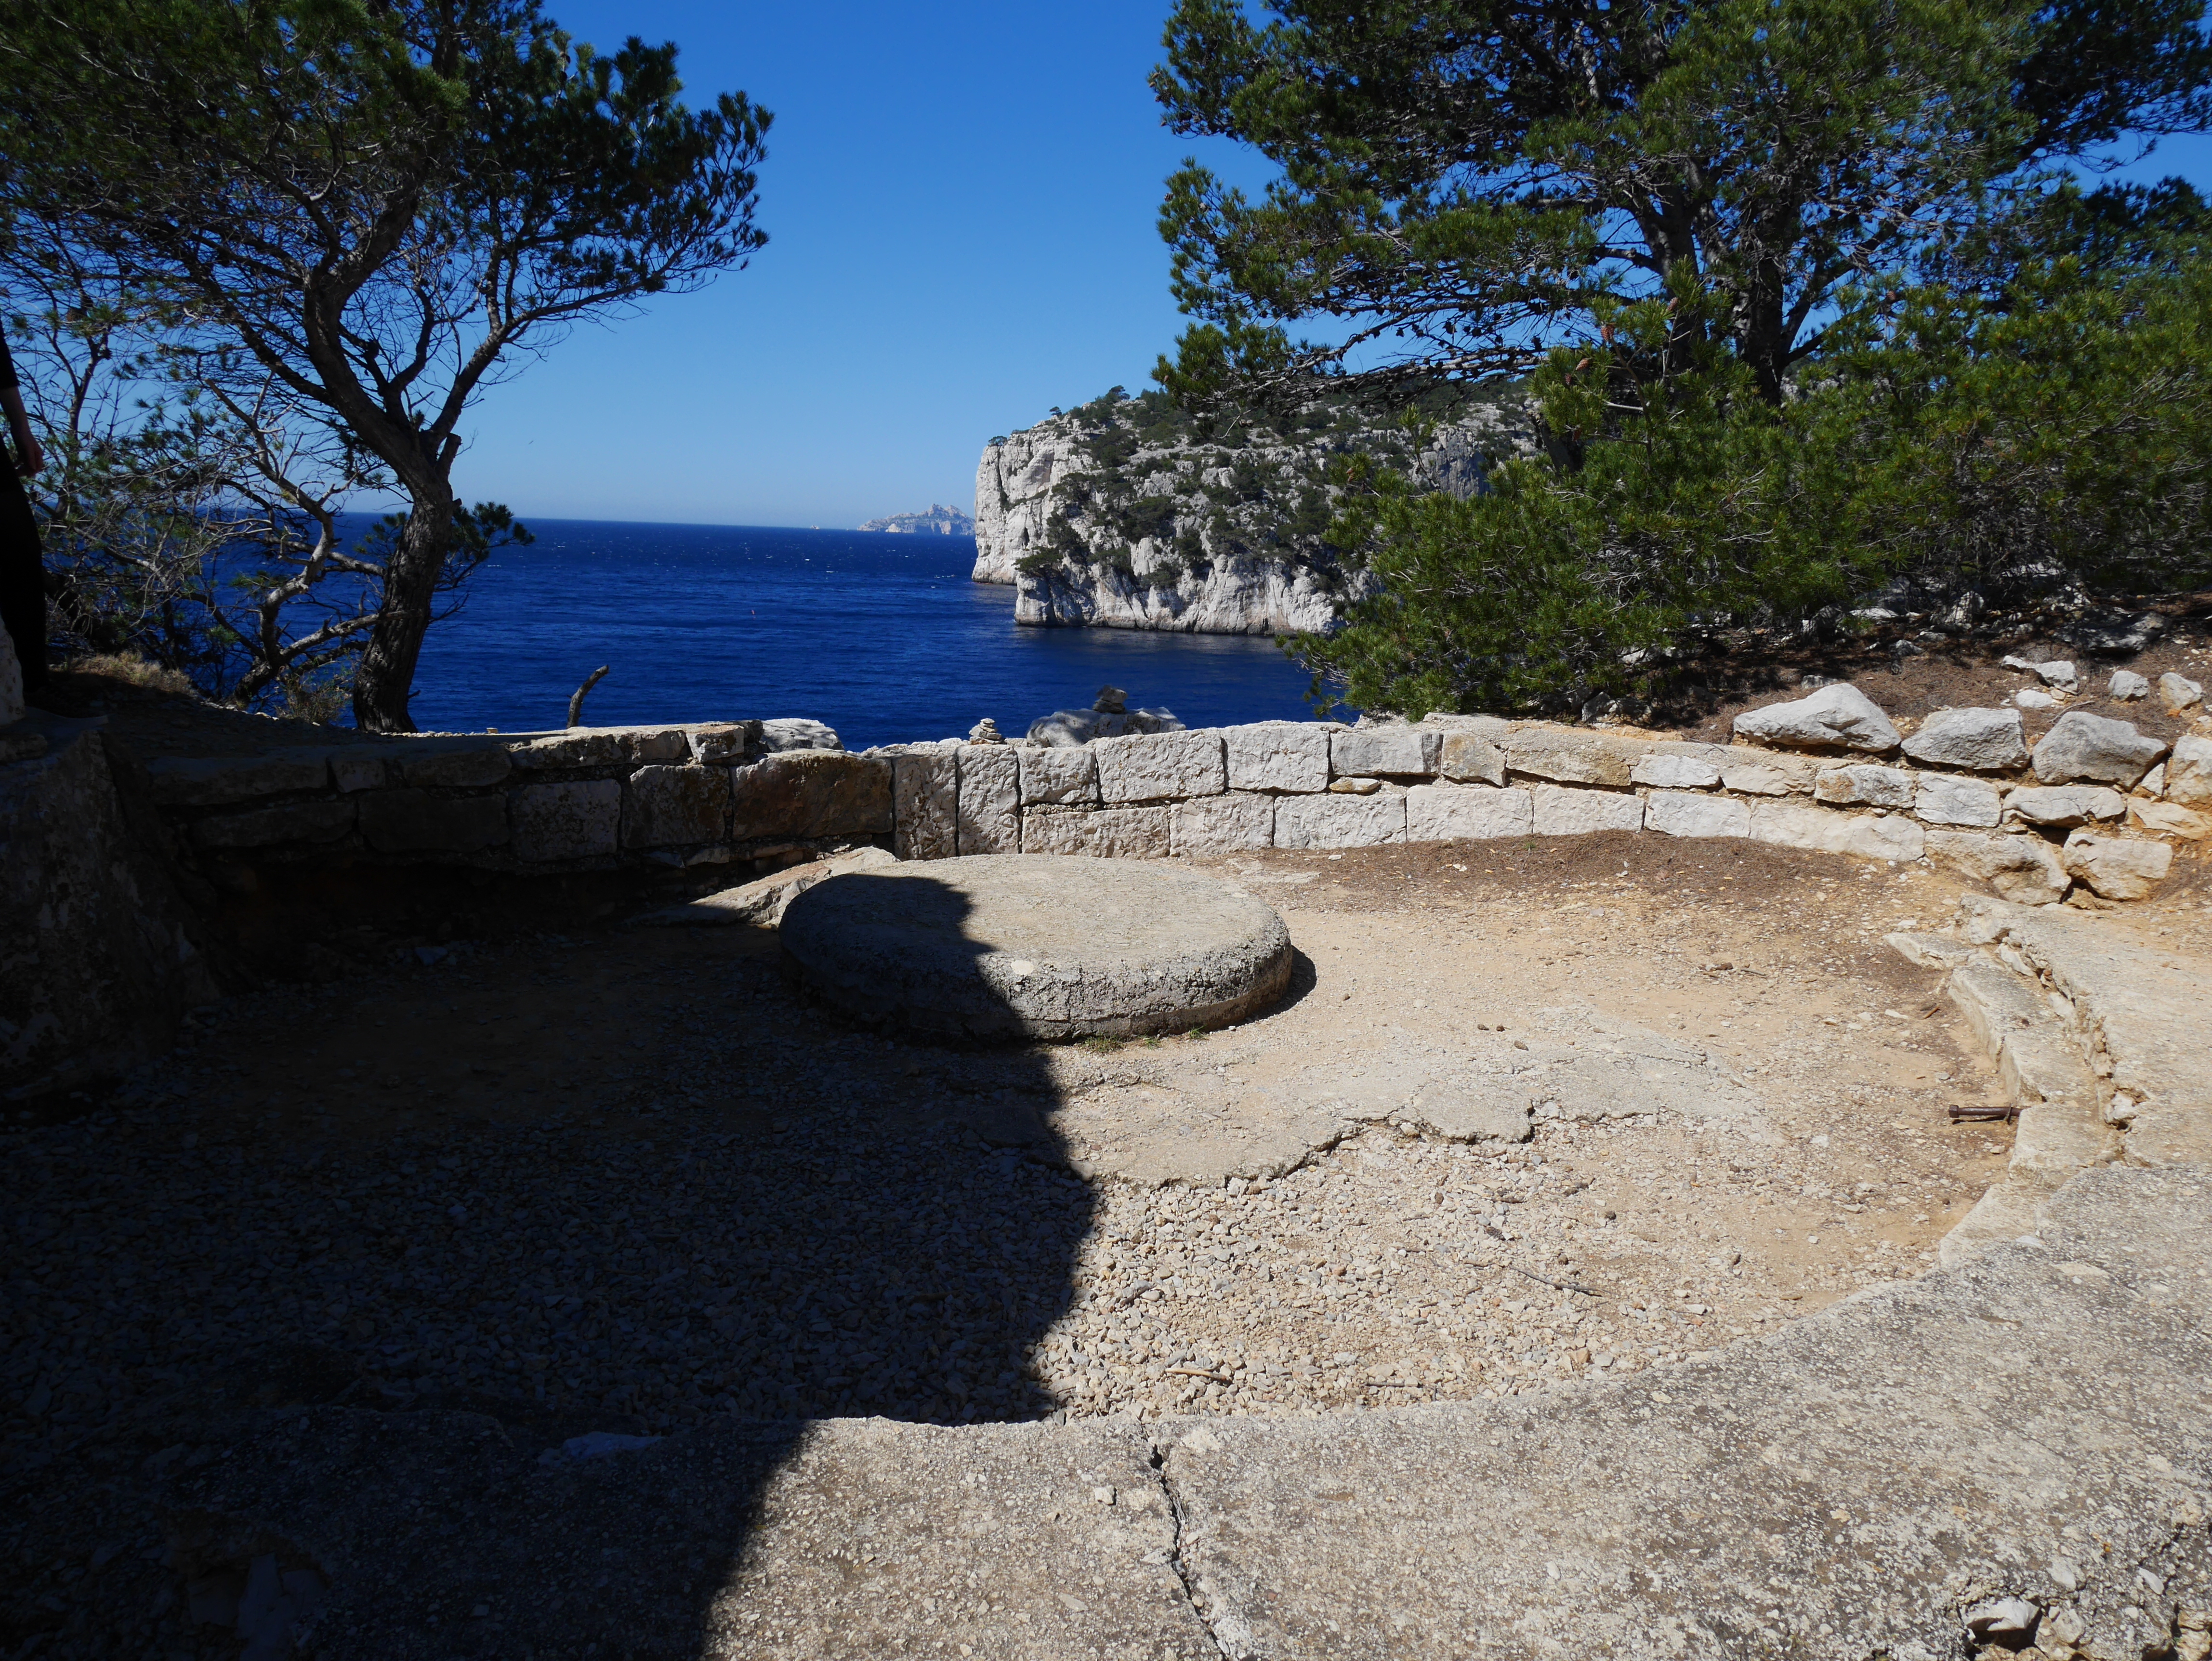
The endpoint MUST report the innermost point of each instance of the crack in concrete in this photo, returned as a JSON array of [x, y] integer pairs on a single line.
[[1159, 1465]]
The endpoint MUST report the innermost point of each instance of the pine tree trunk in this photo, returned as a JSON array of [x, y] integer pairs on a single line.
[[385, 677]]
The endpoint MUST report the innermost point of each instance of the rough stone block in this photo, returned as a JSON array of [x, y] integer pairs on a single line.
[[1767, 776], [580, 819], [214, 780], [2118, 867], [1945, 799], [1683, 813], [1562, 812], [1142, 833], [2081, 746], [1980, 740], [1384, 753], [1567, 755], [1839, 717], [651, 744], [1793, 825], [811, 793], [416, 822], [1278, 755], [1159, 767], [1332, 821], [723, 742], [990, 812], [2179, 693], [1466, 812], [1222, 825], [1863, 785], [459, 769], [265, 827], [2127, 686], [798, 733], [1674, 766], [358, 767], [2062, 807], [2189, 771], [1471, 758], [666, 806], [1058, 776], [926, 803], [580, 746], [2024, 870]]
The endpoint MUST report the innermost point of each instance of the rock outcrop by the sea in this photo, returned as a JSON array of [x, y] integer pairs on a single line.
[[1126, 513], [1111, 717], [939, 521]]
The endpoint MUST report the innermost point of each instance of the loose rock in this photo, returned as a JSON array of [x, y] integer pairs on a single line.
[[1982, 741], [1838, 717], [2117, 867], [2081, 746]]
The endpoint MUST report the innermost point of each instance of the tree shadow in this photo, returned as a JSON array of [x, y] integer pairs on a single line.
[[881, 1225]]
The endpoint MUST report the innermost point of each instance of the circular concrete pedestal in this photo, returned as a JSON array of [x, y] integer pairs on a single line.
[[1037, 945]]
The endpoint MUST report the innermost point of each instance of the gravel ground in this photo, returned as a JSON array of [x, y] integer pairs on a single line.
[[625, 1181]]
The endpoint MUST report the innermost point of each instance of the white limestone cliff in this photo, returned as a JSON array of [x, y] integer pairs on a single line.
[[1225, 541]]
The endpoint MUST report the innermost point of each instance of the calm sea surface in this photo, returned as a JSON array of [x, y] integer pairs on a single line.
[[883, 636]]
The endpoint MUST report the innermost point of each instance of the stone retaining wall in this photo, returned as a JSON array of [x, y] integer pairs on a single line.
[[588, 799], [2031, 824], [2095, 803]]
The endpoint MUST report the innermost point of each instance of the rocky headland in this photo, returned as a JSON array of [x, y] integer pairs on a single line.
[[939, 521], [1127, 513]]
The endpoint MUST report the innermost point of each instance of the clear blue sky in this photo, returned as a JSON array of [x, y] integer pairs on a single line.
[[960, 200]]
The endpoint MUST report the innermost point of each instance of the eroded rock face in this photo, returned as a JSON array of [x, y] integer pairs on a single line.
[[1980, 740], [1839, 717], [2080, 747]]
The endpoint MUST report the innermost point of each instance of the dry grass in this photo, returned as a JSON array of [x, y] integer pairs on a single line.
[[132, 670]]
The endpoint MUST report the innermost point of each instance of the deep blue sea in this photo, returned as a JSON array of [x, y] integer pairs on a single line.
[[883, 636]]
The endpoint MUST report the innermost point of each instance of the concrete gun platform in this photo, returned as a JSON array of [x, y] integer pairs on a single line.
[[1039, 944]]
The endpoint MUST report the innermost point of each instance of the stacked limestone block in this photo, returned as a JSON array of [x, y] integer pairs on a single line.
[[2095, 802], [580, 800]]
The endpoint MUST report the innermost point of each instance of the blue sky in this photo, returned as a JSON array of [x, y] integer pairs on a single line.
[[960, 200]]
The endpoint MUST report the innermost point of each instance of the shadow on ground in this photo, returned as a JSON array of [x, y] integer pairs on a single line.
[[301, 1277]]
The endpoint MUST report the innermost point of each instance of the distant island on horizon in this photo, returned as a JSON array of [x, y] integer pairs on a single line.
[[938, 521]]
